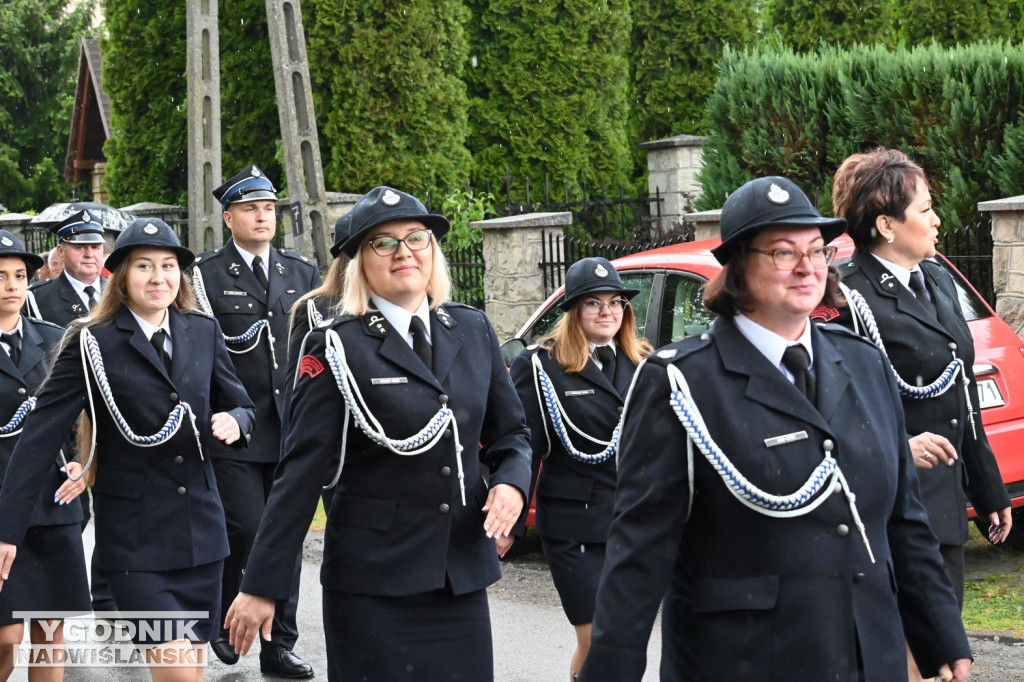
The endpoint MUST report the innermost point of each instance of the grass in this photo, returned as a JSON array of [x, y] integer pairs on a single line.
[[994, 595], [320, 518]]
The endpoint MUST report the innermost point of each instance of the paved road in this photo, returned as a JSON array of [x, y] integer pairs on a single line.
[[532, 639]]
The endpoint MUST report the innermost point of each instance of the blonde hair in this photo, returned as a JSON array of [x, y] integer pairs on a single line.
[[355, 296], [570, 348], [114, 296]]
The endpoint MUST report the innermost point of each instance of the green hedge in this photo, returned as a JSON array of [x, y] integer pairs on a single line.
[[956, 111]]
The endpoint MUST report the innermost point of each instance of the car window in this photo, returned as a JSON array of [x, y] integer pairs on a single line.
[[641, 280], [971, 305], [683, 311]]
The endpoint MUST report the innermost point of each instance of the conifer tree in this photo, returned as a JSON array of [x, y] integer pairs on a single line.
[[805, 24]]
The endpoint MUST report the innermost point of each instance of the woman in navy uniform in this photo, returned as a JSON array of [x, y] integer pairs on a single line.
[[766, 488], [885, 199], [160, 528], [410, 543], [588, 361], [50, 575]]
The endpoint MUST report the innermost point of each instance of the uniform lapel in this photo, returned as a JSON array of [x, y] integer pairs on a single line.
[[276, 277], [766, 384], [887, 286], [592, 373], [72, 301], [32, 351], [393, 347], [242, 274], [446, 342], [830, 376], [182, 343], [624, 371], [7, 366]]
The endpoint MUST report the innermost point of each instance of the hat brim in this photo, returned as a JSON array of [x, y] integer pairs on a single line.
[[254, 195], [566, 304], [83, 238], [435, 222], [32, 261], [113, 261], [830, 229]]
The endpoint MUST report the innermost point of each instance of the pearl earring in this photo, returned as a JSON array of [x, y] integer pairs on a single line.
[[891, 239]]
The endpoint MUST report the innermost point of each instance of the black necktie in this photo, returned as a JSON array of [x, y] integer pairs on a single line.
[[607, 357], [90, 292], [420, 343], [798, 362], [158, 344], [920, 290], [13, 340], [257, 269]]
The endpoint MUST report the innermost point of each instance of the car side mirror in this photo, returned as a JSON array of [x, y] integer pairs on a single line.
[[511, 349]]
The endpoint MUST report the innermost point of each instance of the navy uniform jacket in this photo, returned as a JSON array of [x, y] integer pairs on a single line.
[[157, 508], [753, 597], [919, 347], [56, 301], [574, 499], [18, 382], [238, 302], [397, 525]]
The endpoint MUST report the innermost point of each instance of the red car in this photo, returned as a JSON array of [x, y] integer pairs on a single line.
[[669, 307]]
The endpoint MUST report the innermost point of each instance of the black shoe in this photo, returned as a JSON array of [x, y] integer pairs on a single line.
[[225, 652], [282, 662]]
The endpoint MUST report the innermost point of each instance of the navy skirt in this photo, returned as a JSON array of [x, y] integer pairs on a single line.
[[163, 606], [433, 637], [575, 570], [48, 574]]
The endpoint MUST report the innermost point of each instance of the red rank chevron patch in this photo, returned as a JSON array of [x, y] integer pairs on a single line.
[[310, 365], [825, 313]]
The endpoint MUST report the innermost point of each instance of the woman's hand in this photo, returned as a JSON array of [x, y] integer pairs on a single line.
[[1000, 524], [70, 489], [7, 553], [248, 616], [930, 449], [504, 544], [504, 503], [225, 428]]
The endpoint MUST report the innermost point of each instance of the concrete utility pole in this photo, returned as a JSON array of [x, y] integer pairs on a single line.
[[303, 166], [204, 160]]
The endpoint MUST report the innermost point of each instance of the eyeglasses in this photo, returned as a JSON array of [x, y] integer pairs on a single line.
[[788, 259], [417, 240], [594, 307]]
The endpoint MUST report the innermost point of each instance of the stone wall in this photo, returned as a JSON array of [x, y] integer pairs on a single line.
[[513, 280], [672, 167], [1008, 259]]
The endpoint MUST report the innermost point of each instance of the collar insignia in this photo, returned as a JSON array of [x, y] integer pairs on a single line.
[[777, 195], [888, 280], [235, 269], [444, 317], [377, 323], [279, 268]]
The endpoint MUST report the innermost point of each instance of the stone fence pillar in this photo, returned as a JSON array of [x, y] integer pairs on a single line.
[[513, 279], [1008, 259], [672, 167], [705, 224]]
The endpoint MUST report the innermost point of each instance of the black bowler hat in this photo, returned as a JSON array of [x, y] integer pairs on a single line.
[[79, 228], [249, 185], [591, 276], [341, 227], [383, 205], [769, 202], [148, 232], [11, 247]]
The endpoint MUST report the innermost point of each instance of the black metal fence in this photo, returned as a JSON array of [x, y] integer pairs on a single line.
[[466, 265], [969, 248]]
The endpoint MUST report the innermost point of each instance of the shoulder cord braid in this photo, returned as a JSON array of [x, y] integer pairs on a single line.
[[92, 360], [547, 396], [423, 441], [13, 427], [313, 316], [936, 388], [251, 333], [826, 477]]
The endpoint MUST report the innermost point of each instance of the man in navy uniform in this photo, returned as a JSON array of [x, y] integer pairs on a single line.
[[75, 291], [250, 288], [65, 298]]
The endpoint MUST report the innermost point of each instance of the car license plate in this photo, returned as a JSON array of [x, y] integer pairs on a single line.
[[989, 394]]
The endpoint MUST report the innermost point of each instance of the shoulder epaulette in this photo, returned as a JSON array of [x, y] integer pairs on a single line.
[[41, 283], [295, 255]]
